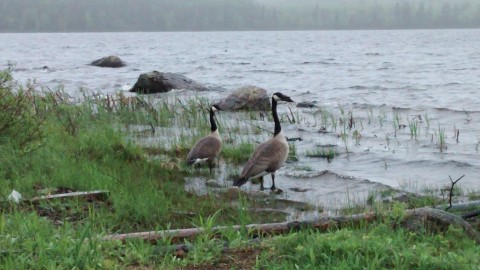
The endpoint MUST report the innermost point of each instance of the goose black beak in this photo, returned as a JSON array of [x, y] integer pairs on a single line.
[[287, 99]]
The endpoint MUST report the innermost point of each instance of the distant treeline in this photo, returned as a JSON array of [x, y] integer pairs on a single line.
[[202, 15]]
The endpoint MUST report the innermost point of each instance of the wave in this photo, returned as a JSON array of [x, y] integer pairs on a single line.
[[443, 109], [232, 63], [268, 71], [372, 87], [319, 63], [434, 163]]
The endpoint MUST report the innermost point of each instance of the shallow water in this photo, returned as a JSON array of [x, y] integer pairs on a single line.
[[427, 78]]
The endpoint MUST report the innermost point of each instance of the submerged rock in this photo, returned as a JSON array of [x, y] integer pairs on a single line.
[[161, 82], [246, 98], [111, 61], [307, 104]]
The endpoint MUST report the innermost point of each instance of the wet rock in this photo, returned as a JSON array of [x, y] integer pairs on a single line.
[[246, 98], [161, 82], [294, 139], [297, 189], [213, 183], [277, 191], [307, 104], [111, 61]]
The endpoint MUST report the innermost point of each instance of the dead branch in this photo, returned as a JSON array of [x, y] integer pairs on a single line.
[[96, 194], [450, 194], [460, 207], [178, 235], [471, 214], [293, 117], [419, 220]]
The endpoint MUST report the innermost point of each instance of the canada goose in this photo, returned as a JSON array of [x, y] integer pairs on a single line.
[[269, 156], [207, 148]]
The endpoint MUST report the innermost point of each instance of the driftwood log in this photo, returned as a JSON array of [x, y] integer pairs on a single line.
[[96, 194], [466, 206], [420, 220], [178, 235]]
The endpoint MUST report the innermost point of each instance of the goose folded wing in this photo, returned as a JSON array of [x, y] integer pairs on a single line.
[[206, 147]]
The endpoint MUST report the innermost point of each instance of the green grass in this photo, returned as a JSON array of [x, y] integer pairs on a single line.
[[48, 143], [238, 153], [372, 247], [328, 153]]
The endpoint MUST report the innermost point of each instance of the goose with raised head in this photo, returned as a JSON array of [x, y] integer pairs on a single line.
[[269, 156], [207, 148]]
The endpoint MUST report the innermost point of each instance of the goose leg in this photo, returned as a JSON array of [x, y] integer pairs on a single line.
[[273, 182], [261, 183], [211, 164]]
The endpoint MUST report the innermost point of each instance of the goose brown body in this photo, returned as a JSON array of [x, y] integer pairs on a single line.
[[269, 156], [206, 149]]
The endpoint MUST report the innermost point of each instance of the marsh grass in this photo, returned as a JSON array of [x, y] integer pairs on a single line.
[[329, 153], [414, 128], [441, 137]]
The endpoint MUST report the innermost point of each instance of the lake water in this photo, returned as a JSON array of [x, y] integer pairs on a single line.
[[391, 81]]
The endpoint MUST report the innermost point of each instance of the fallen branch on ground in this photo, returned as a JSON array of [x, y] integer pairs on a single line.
[[461, 207], [96, 194], [421, 219], [177, 235]]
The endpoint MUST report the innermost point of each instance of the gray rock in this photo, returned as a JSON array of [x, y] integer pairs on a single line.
[[161, 82], [109, 61], [246, 98], [213, 183], [307, 104]]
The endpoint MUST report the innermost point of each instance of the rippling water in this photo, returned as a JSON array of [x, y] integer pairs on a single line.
[[410, 69], [379, 76]]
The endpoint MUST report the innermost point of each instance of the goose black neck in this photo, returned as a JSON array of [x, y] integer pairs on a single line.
[[213, 125], [278, 128]]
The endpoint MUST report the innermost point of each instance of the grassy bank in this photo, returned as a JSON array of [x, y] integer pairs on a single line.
[[50, 145]]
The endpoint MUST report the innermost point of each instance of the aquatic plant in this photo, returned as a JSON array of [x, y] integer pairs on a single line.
[[329, 153], [396, 122], [414, 128], [441, 144]]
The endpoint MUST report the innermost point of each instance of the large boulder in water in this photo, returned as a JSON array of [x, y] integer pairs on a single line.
[[111, 61], [160, 82], [246, 98]]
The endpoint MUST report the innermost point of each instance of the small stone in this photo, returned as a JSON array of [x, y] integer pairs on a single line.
[[180, 253], [15, 196], [213, 183], [277, 191], [307, 104], [297, 189]]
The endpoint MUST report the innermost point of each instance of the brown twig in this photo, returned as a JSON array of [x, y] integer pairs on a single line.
[[450, 194], [293, 117]]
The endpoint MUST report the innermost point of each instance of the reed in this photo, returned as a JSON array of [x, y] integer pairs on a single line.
[[327, 153]]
